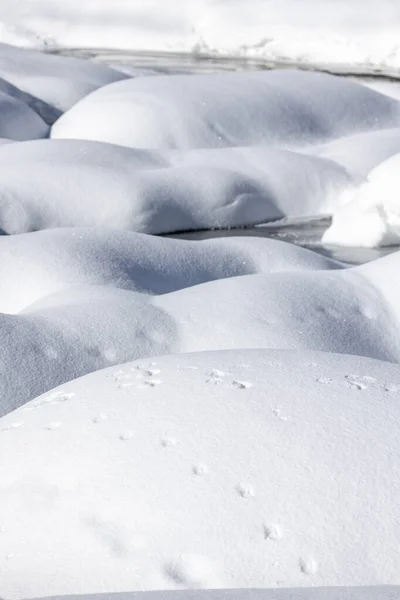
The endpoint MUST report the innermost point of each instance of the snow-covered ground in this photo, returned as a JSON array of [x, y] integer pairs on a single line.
[[347, 34], [247, 468], [254, 442]]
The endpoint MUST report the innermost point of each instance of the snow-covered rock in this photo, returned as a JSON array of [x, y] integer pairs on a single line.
[[50, 84], [372, 217], [218, 470], [72, 183], [281, 107]]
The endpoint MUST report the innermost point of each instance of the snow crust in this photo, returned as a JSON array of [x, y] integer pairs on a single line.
[[253, 468]]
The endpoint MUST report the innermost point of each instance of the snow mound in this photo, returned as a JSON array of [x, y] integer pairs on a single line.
[[72, 183], [214, 470], [72, 320], [231, 109], [18, 121], [51, 84], [39, 264], [372, 217]]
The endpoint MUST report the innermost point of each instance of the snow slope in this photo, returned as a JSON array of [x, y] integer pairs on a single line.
[[334, 32], [230, 469]]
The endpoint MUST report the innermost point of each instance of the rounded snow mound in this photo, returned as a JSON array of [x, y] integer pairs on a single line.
[[89, 304], [231, 109], [225, 469], [55, 83], [75, 183], [372, 217]]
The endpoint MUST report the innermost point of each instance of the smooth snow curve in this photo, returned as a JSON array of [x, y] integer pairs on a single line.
[[182, 112], [228, 469]]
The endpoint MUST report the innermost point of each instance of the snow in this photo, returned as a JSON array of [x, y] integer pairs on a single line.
[[248, 468], [49, 84], [372, 217], [336, 33], [331, 593], [71, 183], [282, 107], [252, 443], [91, 298]]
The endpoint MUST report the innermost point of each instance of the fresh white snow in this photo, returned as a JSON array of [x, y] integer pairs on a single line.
[[253, 468], [254, 442]]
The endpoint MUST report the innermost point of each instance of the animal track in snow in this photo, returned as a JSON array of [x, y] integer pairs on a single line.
[[124, 437], [279, 413], [308, 566], [167, 442], [15, 425], [200, 470], [139, 377], [245, 490], [53, 398], [53, 426], [99, 419], [272, 532], [217, 377], [324, 380]]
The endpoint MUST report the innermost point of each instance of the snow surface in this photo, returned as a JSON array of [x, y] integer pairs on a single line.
[[339, 33], [71, 183], [284, 107], [269, 463], [372, 217], [250, 468], [80, 300], [331, 593], [49, 84]]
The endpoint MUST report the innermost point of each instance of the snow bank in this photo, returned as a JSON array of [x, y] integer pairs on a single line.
[[372, 217], [334, 32], [70, 183], [50, 84], [218, 470], [230, 109]]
